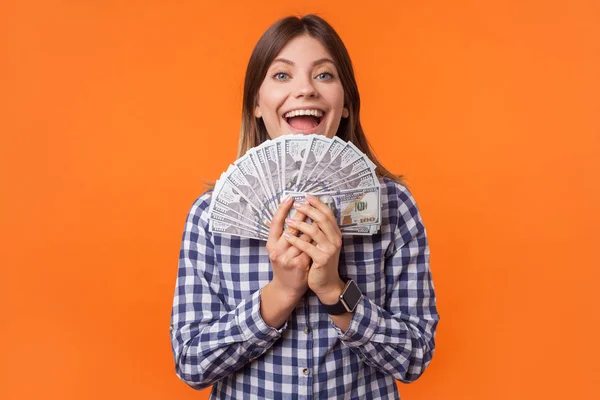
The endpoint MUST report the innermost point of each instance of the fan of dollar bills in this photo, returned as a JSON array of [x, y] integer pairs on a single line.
[[247, 195]]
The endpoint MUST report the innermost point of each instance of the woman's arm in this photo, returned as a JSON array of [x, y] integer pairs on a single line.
[[398, 338], [211, 341]]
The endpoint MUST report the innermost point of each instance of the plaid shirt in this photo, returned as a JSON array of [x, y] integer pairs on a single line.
[[220, 339]]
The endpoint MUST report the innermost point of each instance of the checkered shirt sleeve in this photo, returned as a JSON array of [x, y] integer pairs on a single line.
[[210, 340], [397, 338]]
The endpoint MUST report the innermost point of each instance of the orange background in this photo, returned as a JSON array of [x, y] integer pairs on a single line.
[[113, 114]]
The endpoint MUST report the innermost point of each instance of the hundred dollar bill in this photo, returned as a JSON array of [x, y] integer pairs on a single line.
[[249, 219], [254, 155], [279, 159], [254, 184], [228, 204], [217, 216], [347, 156], [228, 193], [294, 151], [224, 228], [363, 179], [355, 207], [360, 230], [317, 146], [345, 173], [272, 163], [334, 148], [228, 196], [235, 179]]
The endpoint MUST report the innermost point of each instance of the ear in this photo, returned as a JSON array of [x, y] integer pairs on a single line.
[[345, 113], [257, 112]]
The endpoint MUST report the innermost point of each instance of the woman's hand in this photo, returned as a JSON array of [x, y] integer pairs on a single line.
[[323, 276], [290, 265]]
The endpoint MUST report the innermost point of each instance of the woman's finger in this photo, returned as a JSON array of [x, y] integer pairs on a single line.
[[296, 216], [319, 205], [277, 223], [303, 246], [293, 251], [311, 230], [326, 220]]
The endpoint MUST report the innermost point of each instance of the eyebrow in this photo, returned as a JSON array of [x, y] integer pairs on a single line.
[[317, 62]]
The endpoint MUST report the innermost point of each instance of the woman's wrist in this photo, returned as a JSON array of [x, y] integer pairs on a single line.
[[286, 295], [276, 304], [331, 294]]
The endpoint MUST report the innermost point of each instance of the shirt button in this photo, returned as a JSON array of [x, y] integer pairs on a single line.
[[306, 330], [305, 371]]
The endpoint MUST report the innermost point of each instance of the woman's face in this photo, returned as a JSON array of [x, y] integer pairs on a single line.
[[302, 92]]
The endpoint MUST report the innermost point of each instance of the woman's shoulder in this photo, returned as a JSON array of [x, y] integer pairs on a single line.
[[395, 194], [203, 201], [198, 212]]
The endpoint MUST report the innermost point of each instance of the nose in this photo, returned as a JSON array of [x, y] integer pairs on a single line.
[[305, 87]]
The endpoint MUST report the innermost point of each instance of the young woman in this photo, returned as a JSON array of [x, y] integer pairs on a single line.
[[264, 320]]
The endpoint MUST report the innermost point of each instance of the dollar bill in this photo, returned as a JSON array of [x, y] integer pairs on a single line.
[[360, 230], [334, 148], [254, 183], [272, 163], [236, 179], [227, 196], [237, 222], [353, 207], [279, 147], [294, 151], [349, 154], [251, 220], [254, 155], [366, 178], [347, 172], [224, 228], [317, 146]]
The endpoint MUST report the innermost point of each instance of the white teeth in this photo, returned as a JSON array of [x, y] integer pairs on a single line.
[[295, 113]]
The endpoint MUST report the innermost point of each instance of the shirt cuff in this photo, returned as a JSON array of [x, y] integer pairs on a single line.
[[253, 328], [362, 326]]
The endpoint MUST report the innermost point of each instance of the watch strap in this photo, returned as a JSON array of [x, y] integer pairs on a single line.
[[339, 308], [335, 309]]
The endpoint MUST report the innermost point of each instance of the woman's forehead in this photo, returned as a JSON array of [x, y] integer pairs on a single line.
[[303, 49]]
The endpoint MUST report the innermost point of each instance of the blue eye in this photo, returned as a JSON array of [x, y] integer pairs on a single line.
[[329, 75], [280, 76]]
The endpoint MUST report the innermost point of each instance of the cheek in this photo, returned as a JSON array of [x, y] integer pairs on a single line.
[[336, 98], [337, 103], [340, 96], [270, 100]]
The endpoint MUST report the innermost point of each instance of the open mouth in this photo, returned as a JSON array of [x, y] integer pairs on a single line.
[[304, 121]]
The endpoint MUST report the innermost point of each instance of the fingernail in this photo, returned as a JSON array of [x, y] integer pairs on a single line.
[[289, 221], [309, 196], [298, 205], [286, 235]]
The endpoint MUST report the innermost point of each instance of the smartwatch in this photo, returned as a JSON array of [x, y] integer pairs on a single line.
[[347, 302]]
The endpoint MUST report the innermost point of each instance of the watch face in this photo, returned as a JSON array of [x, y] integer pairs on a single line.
[[351, 296]]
